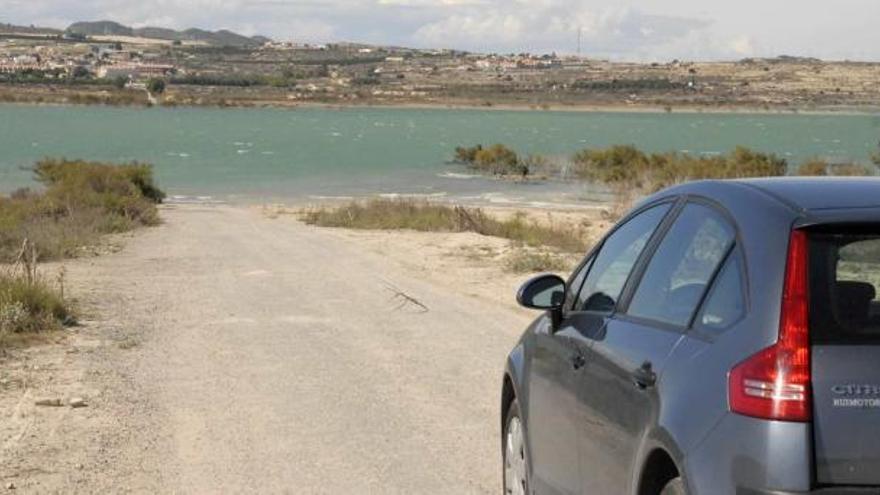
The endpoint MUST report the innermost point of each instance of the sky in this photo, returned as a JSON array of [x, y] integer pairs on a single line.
[[637, 30]]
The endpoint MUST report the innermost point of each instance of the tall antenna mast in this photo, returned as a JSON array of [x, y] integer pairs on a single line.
[[580, 32]]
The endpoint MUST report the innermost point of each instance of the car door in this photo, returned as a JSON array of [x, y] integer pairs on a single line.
[[554, 413], [620, 388], [552, 430]]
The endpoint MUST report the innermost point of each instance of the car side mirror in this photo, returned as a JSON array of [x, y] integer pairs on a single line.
[[542, 292]]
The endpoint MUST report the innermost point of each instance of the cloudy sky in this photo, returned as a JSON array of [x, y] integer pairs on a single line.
[[617, 29]]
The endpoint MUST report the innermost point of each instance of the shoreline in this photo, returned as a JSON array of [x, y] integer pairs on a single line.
[[616, 108]]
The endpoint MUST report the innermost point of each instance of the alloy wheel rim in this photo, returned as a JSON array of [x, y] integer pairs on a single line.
[[515, 459]]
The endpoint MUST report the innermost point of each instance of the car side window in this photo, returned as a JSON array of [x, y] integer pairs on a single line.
[[683, 266], [619, 253], [575, 282], [726, 303]]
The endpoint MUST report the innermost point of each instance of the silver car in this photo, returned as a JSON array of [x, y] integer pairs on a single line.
[[723, 338]]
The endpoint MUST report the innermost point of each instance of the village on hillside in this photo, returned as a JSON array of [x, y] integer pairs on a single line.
[[98, 62]]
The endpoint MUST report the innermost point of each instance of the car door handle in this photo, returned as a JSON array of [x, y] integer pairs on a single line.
[[644, 377], [578, 361]]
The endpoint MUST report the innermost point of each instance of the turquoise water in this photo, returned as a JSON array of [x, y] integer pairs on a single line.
[[262, 154]]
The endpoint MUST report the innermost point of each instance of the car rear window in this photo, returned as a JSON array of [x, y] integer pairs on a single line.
[[844, 277]]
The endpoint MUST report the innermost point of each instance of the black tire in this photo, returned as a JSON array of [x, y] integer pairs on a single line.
[[674, 487], [512, 412]]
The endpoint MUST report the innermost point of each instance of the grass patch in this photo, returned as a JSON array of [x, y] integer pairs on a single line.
[[79, 202], [527, 261], [28, 306], [386, 214]]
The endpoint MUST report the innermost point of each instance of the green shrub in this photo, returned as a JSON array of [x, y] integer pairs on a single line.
[[81, 201], [622, 163], [467, 155], [156, 86], [629, 168], [496, 159]]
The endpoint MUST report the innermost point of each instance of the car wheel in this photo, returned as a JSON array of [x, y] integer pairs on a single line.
[[516, 476], [674, 487]]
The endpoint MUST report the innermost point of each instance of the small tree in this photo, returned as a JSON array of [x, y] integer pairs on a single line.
[[156, 86], [80, 72], [119, 82]]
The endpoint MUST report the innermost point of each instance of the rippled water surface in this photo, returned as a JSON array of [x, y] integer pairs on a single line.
[[252, 155]]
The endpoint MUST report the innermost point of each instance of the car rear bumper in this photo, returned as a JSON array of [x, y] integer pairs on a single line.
[[751, 455]]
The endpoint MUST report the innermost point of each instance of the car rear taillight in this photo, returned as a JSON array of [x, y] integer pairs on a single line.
[[775, 382]]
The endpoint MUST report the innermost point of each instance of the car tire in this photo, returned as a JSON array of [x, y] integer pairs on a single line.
[[515, 473], [674, 487]]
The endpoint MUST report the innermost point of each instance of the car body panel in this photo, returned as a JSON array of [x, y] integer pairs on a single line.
[[618, 409], [846, 398], [734, 457], [686, 414], [553, 435]]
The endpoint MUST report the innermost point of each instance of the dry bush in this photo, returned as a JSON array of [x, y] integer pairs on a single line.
[[384, 214], [496, 159], [813, 167], [850, 170], [818, 167], [28, 303], [530, 261]]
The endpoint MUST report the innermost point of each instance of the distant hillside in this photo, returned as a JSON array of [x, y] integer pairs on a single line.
[[100, 28], [219, 38], [158, 33], [12, 28]]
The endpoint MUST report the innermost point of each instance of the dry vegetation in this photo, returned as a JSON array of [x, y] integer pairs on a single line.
[[540, 246], [535, 261], [80, 202], [631, 173], [384, 214], [29, 304], [73, 95]]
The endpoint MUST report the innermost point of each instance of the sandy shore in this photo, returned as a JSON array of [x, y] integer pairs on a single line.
[[233, 351], [620, 107]]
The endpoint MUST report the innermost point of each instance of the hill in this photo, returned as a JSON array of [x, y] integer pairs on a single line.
[[219, 38], [31, 30], [100, 28]]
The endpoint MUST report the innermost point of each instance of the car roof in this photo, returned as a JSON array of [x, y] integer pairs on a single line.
[[804, 194], [821, 193]]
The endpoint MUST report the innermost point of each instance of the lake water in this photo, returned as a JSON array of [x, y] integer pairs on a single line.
[[254, 155]]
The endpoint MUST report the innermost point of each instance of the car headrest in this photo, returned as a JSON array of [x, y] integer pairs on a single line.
[[854, 301], [858, 291]]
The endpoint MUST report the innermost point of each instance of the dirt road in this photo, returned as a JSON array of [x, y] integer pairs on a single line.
[[262, 355]]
